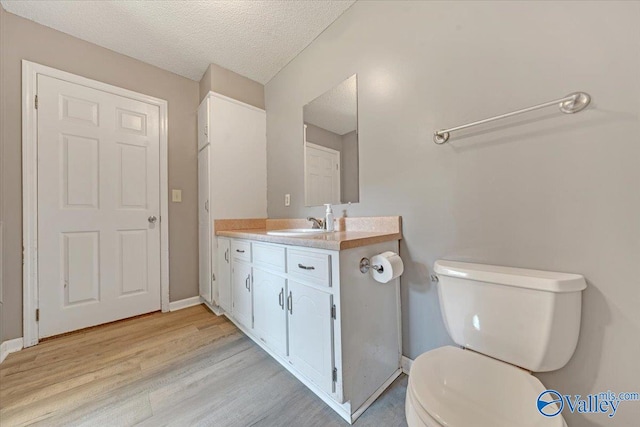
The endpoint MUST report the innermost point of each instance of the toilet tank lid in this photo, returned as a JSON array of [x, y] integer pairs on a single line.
[[510, 276]]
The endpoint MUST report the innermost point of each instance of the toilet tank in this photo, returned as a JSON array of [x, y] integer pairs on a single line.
[[528, 318]]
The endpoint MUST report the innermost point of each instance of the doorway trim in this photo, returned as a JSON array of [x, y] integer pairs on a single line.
[[30, 71]]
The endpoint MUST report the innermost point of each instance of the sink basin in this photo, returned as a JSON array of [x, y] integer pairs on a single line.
[[297, 232]]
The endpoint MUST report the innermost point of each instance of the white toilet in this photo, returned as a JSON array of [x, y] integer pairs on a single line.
[[509, 321]]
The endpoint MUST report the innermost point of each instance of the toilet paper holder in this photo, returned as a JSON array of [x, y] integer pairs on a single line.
[[365, 265]]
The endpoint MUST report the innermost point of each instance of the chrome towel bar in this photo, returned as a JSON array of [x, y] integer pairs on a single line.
[[570, 104]]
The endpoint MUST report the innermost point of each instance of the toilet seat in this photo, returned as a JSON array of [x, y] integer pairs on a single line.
[[453, 387]]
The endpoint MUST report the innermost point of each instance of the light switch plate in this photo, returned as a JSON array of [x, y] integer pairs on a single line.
[[287, 199], [176, 196]]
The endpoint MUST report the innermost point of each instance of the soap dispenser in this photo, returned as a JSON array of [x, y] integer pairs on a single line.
[[328, 218]]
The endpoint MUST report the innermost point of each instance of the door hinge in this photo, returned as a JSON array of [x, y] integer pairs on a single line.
[[333, 311], [335, 375], [36, 102], [37, 314], [213, 277]]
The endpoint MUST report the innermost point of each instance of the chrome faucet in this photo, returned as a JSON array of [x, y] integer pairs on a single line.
[[317, 223]]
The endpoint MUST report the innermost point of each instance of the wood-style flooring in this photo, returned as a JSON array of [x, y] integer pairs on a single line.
[[185, 368]]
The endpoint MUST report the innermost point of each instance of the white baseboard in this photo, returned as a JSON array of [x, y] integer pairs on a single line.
[[375, 395], [406, 364], [217, 310], [184, 303], [10, 346]]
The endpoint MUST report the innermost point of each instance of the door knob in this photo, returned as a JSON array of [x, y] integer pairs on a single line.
[[152, 219]]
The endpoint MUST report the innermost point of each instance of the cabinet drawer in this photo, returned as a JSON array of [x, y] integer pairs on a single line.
[[311, 267], [241, 250], [270, 257]]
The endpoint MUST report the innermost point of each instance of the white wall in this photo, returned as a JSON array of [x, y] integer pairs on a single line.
[[546, 191]]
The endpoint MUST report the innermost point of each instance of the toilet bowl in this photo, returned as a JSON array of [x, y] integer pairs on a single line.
[[505, 318], [450, 386]]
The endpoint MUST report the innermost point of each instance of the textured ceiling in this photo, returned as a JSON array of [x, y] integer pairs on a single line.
[[253, 38], [337, 109]]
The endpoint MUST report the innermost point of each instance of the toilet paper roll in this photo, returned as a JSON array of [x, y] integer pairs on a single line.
[[392, 266]]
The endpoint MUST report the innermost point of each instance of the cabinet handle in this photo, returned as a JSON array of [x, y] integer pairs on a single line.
[[290, 303], [281, 298], [240, 251], [226, 255], [206, 206], [247, 284], [306, 267]]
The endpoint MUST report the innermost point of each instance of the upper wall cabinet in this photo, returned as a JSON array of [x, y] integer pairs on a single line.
[[331, 169], [232, 179]]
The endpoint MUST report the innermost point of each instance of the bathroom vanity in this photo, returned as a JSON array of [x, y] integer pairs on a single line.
[[304, 300]]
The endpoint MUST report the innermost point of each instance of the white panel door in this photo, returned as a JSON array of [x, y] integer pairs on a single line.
[[269, 313], [241, 289], [322, 175], [98, 195], [224, 274], [311, 333], [239, 160], [204, 226]]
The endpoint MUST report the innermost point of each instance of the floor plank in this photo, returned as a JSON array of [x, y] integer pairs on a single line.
[[185, 368]]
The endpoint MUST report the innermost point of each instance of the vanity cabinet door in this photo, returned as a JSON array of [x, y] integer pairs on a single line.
[[224, 274], [311, 333], [205, 278], [241, 290], [269, 313]]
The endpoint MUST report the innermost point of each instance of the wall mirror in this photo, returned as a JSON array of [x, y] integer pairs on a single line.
[[331, 171]]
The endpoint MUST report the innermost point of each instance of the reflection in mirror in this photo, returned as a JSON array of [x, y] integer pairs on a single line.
[[331, 146]]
